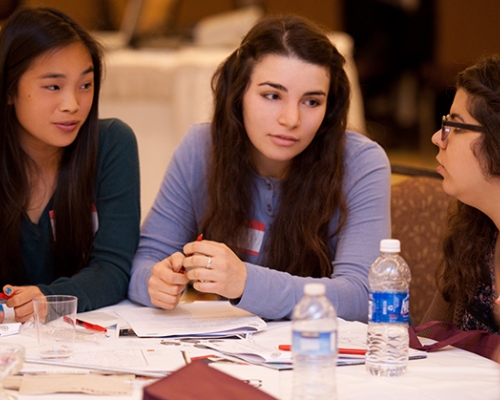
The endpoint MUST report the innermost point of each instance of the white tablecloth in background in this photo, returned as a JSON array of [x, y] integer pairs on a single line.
[[161, 92]]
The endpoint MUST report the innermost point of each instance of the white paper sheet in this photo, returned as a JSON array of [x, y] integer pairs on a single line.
[[198, 318]]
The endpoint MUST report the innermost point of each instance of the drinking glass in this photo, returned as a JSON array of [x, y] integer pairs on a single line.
[[55, 325]]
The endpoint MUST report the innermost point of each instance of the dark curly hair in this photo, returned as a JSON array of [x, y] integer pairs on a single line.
[[470, 232]]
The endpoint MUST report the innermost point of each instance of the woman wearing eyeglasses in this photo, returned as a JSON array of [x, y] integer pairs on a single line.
[[469, 158]]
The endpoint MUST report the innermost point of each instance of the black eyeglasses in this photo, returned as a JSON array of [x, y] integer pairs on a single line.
[[446, 126]]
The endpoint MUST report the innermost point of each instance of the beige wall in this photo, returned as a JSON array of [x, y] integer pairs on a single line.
[[325, 12], [89, 13], [465, 30]]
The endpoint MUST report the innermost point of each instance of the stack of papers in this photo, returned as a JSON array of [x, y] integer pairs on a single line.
[[249, 351], [207, 319]]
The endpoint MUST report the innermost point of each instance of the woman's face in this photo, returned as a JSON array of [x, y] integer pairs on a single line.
[[283, 108], [53, 99], [463, 176]]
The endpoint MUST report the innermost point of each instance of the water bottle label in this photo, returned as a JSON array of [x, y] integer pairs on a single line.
[[314, 343], [389, 307]]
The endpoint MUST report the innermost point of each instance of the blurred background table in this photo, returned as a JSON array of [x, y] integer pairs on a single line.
[[160, 92]]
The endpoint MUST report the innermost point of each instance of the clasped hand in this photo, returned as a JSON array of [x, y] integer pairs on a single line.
[[21, 300], [213, 267]]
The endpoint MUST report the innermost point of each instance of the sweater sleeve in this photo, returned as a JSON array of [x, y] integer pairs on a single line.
[[273, 294], [104, 281], [177, 211]]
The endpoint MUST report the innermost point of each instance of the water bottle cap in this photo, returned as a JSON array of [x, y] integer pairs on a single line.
[[390, 245], [314, 289]]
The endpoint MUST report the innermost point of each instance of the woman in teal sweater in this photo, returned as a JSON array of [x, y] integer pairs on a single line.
[[69, 182]]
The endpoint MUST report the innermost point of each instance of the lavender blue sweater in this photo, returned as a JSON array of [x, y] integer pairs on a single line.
[[176, 215]]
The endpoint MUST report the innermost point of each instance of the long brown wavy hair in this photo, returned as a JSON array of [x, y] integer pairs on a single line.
[[28, 34], [311, 193], [470, 233]]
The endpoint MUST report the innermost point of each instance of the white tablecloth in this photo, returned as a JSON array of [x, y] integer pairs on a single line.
[[448, 374], [161, 92]]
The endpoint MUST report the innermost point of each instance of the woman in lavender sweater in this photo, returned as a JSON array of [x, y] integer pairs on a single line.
[[281, 192]]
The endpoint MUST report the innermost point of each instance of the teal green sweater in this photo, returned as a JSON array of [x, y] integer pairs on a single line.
[[105, 279]]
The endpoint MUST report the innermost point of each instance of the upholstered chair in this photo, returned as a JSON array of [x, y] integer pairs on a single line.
[[418, 212]]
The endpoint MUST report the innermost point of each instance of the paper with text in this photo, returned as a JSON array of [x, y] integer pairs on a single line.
[[189, 319]]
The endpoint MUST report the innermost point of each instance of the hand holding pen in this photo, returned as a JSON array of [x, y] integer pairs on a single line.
[[19, 298], [215, 268], [166, 284], [3, 300]]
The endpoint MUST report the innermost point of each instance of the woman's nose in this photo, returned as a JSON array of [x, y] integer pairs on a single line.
[[69, 103], [436, 139], [290, 116]]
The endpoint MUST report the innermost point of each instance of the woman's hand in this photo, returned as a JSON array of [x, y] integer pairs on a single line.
[[20, 300], [167, 282], [215, 269]]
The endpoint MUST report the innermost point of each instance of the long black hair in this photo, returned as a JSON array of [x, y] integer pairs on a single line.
[[28, 34], [311, 193]]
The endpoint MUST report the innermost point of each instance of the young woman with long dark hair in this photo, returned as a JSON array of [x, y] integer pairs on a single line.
[[469, 157], [69, 182], [281, 192]]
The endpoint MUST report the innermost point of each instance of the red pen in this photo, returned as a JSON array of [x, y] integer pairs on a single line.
[[4, 297], [359, 352], [86, 325], [198, 239]]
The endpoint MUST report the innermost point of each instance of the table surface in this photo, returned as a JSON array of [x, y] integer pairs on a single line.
[[450, 373]]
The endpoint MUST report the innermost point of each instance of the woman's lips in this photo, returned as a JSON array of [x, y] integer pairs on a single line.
[[283, 140], [66, 126]]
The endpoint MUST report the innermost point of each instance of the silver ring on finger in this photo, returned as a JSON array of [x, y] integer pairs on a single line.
[[209, 263]]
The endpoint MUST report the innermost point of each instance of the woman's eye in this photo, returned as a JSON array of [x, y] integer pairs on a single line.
[[271, 96], [87, 85], [312, 102], [52, 87]]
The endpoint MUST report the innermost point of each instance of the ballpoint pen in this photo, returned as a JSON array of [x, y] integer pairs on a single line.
[[4, 297], [198, 239], [341, 350], [86, 325], [358, 352]]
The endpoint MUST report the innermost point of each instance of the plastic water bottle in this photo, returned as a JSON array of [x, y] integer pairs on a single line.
[[388, 341], [314, 346]]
